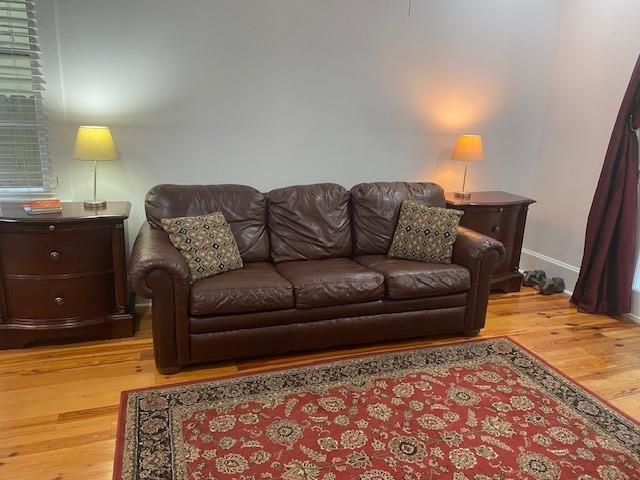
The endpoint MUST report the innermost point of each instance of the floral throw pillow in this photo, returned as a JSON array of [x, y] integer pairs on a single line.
[[425, 234], [206, 242]]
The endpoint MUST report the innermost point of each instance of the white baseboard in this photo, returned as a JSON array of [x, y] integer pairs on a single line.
[[143, 302], [531, 260], [632, 317]]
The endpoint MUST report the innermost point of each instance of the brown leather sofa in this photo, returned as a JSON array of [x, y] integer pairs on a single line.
[[316, 273]]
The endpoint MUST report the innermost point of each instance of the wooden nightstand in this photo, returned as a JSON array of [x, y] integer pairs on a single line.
[[500, 215], [63, 276]]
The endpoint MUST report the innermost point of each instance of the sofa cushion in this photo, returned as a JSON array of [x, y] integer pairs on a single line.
[[205, 242], [375, 209], [240, 321], [425, 234], [244, 208], [334, 281], [409, 279], [309, 222], [255, 288]]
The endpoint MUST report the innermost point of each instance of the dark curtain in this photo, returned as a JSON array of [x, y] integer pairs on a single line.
[[606, 274]]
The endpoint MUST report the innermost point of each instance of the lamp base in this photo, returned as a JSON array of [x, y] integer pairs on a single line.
[[464, 195], [95, 204]]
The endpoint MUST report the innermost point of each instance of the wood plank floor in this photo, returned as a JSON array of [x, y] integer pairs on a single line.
[[59, 404]]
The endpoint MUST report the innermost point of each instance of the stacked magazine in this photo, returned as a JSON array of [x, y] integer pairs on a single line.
[[39, 207]]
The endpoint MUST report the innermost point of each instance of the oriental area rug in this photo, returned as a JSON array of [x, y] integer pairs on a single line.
[[478, 410]]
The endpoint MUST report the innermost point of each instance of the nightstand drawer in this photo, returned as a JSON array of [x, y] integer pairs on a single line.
[[46, 298], [499, 223], [56, 252]]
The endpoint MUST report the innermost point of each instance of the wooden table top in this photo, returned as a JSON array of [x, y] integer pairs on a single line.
[[488, 198], [71, 211]]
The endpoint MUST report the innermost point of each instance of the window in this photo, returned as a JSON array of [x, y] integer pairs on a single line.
[[24, 163]]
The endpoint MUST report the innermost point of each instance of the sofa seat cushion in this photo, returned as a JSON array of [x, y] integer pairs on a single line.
[[256, 287], [410, 279], [332, 281]]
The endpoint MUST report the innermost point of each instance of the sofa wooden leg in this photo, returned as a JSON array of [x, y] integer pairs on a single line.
[[169, 370], [471, 333]]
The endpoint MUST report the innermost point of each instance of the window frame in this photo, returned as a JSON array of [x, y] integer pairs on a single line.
[[9, 50]]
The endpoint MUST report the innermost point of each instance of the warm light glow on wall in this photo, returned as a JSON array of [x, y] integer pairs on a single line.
[[445, 173], [454, 110], [445, 104], [453, 103]]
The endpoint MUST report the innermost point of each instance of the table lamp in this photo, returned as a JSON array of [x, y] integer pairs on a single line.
[[94, 144], [468, 149]]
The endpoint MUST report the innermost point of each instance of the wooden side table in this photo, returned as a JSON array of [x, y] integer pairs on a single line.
[[63, 276], [502, 216]]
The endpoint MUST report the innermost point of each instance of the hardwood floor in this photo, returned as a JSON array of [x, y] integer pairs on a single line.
[[59, 404]]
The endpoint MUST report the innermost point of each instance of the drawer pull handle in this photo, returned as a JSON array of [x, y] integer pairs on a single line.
[[496, 229], [59, 301], [501, 210], [52, 228], [54, 256]]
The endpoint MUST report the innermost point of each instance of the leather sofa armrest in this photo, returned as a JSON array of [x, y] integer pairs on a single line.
[[153, 250], [481, 255], [472, 248]]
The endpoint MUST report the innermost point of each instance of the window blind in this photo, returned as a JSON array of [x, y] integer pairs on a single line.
[[24, 162]]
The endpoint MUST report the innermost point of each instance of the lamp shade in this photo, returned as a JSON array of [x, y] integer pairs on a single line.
[[468, 149], [94, 143]]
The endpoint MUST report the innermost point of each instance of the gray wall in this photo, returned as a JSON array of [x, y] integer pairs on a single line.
[[277, 92], [596, 49]]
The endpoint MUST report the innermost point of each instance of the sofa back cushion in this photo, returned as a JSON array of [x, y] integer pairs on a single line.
[[375, 208], [245, 209], [309, 222]]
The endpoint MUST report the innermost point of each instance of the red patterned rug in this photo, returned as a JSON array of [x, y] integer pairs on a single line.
[[471, 411]]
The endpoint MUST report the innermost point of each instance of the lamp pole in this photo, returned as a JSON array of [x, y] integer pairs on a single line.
[[464, 193], [464, 179], [95, 179]]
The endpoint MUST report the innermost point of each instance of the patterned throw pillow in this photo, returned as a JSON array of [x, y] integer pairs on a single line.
[[206, 242], [424, 233]]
